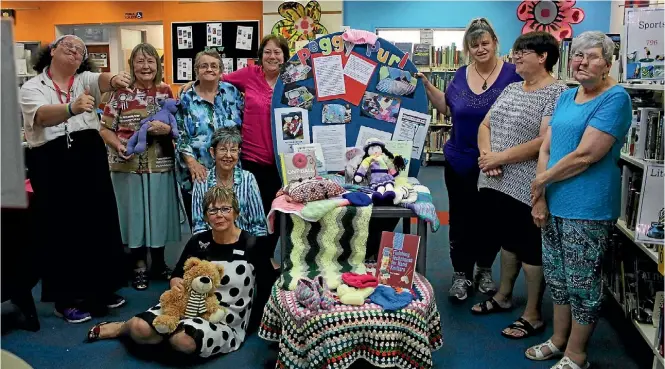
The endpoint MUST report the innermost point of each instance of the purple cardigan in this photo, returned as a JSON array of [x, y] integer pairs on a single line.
[[468, 110]]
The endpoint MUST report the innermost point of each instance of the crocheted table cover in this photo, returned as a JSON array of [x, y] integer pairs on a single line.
[[335, 339]]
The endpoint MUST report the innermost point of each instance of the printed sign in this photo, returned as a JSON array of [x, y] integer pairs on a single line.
[[650, 225]]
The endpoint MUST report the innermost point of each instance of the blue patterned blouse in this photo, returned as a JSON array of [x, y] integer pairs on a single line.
[[252, 219], [198, 119]]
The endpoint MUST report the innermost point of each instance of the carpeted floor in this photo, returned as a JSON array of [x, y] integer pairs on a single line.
[[470, 342]]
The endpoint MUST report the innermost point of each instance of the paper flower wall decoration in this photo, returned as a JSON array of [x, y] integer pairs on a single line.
[[300, 23], [554, 17]]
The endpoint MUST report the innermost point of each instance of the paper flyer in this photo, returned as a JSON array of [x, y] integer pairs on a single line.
[[314, 148], [357, 72], [329, 77], [365, 133], [334, 148], [412, 126], [184, 37], [244, 38], [241, 63], [214, 33], [403, 149], [184, 69], [292, 128], [227, 65], [650, 224]]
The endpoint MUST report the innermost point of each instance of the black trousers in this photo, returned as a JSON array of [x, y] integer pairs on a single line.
[[469, 242], [269, 181]]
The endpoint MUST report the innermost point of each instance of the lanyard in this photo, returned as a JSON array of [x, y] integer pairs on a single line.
[[59, 92]]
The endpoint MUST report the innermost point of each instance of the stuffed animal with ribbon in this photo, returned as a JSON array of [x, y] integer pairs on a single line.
[[381, 166], [138, 142]]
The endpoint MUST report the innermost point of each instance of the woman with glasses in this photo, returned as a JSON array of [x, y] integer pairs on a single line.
[[225, 149], [579, 180], [144, 183], [468, 98], [241, 256], [205, 105], [509, 139], [69, 172]]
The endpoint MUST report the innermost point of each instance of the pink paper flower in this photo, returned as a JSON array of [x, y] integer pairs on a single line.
[[554, 17]]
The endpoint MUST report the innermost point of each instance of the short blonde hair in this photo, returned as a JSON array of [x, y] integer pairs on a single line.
[[220, 194], [197, 60]]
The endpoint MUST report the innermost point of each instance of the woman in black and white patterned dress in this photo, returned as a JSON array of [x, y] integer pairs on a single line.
[[224, 244]]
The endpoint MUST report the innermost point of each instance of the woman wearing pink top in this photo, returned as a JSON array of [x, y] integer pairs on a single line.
[[257, 82]]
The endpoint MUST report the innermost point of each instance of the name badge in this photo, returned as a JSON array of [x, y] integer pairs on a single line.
[[239, 252]]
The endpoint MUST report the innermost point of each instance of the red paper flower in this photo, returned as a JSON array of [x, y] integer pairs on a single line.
[[554, 17]]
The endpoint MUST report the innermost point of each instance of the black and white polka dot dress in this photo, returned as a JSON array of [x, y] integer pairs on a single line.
[[236, 293]]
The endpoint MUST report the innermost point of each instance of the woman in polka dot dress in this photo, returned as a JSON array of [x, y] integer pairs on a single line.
[[224, 244]]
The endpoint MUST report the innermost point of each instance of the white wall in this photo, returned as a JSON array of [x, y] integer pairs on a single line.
[[154, 33]]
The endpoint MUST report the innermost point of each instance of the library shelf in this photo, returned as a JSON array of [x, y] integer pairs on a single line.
[[653, 255], [640, 163], [643, 86], [648, 332]]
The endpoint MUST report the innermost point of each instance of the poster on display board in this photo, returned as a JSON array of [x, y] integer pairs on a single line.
[[650, 224], [644, 51], [346, 104]]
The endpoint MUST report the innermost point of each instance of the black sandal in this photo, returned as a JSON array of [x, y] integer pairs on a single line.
[[524, 326], [93, 333], [140, 282], [484, 310]]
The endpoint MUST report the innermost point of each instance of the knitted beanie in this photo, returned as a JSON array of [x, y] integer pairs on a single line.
[[389, 299]]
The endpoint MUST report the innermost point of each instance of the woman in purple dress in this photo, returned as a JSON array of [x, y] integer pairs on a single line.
[[467, 100]]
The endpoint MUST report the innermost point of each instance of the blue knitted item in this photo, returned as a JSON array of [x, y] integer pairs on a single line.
[[389, 299], [357, 198]]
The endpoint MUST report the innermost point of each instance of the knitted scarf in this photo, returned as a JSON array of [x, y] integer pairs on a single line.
[[196, 304]]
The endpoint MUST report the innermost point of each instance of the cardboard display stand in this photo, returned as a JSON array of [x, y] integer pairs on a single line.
[[384, 64], [199, 40]]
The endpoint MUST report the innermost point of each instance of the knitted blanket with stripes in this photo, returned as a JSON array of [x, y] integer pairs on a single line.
[[334, 245]]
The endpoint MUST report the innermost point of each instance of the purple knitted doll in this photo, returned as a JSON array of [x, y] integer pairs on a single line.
[[138, 142], [382, 167]]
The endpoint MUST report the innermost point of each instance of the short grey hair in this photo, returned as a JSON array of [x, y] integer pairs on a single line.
[[592, 39], [475, 30], [226, 135]]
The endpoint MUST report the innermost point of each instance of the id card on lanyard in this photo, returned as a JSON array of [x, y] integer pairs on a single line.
[[68, 97]]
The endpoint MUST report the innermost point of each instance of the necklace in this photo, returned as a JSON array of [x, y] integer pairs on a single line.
[[488, 76], [229, 183]]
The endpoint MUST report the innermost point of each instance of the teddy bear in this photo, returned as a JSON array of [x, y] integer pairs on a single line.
[[138, 142], [382, 167], [198, 298]]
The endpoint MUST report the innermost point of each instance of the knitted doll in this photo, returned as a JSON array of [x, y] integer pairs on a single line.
[[138, 142], [382, 167]]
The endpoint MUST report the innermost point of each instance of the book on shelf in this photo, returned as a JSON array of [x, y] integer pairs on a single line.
[[645, 136], [436, 139], [421, 54]]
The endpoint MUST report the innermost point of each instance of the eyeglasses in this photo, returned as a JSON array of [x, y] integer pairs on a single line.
[[211, 66], [71, 47], [520, 54], [589, 57], [231, 152], [224, 210]]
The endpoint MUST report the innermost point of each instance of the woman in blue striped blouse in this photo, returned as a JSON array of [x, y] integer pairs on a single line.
[[225, 149]]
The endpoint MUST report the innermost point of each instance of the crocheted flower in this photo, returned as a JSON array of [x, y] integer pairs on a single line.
[[300, 23], [554, 17]]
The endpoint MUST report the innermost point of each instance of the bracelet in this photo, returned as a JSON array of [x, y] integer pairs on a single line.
[[111, 81], [69, 110]]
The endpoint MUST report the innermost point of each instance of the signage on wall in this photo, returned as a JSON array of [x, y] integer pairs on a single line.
[[134, 15]]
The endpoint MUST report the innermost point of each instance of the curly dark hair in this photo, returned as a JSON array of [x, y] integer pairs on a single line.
[[42, 59], [398, 161]]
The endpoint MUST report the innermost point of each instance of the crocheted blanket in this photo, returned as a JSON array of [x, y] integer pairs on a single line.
[[334, 245], [335, 339]]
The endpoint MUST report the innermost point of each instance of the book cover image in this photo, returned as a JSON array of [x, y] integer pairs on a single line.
[[396, 262], [298, 166]]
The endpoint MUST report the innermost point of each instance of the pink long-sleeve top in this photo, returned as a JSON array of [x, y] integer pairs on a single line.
[[256, 126]]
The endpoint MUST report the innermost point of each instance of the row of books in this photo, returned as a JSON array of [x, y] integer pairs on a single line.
[[632, 186], [436, 139], [442, 56], [645, 137]]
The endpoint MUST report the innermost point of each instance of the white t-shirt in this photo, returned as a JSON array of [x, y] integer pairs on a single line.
[[40, 91]]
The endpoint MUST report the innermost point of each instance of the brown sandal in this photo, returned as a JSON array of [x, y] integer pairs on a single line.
[[93, 333]]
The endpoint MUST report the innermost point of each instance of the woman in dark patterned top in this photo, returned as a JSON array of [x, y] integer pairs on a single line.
[[467, 100], [242, 287], [509, 139]]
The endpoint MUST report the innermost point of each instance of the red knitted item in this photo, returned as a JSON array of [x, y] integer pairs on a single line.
[[359, 280]]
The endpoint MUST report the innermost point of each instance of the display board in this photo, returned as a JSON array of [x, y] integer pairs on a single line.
[[339, 95], [644, 57], [237, 42]]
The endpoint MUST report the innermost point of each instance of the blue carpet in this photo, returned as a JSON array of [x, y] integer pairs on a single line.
[[470, 342]]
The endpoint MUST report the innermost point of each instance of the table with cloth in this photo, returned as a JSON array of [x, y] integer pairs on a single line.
[[328, 238], [336, 338]]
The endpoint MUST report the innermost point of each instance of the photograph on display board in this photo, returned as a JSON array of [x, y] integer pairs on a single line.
[[298, 96], [380, 107], [336, 113], [645, 53], [396, 81], [294, 71], [292, 126]]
